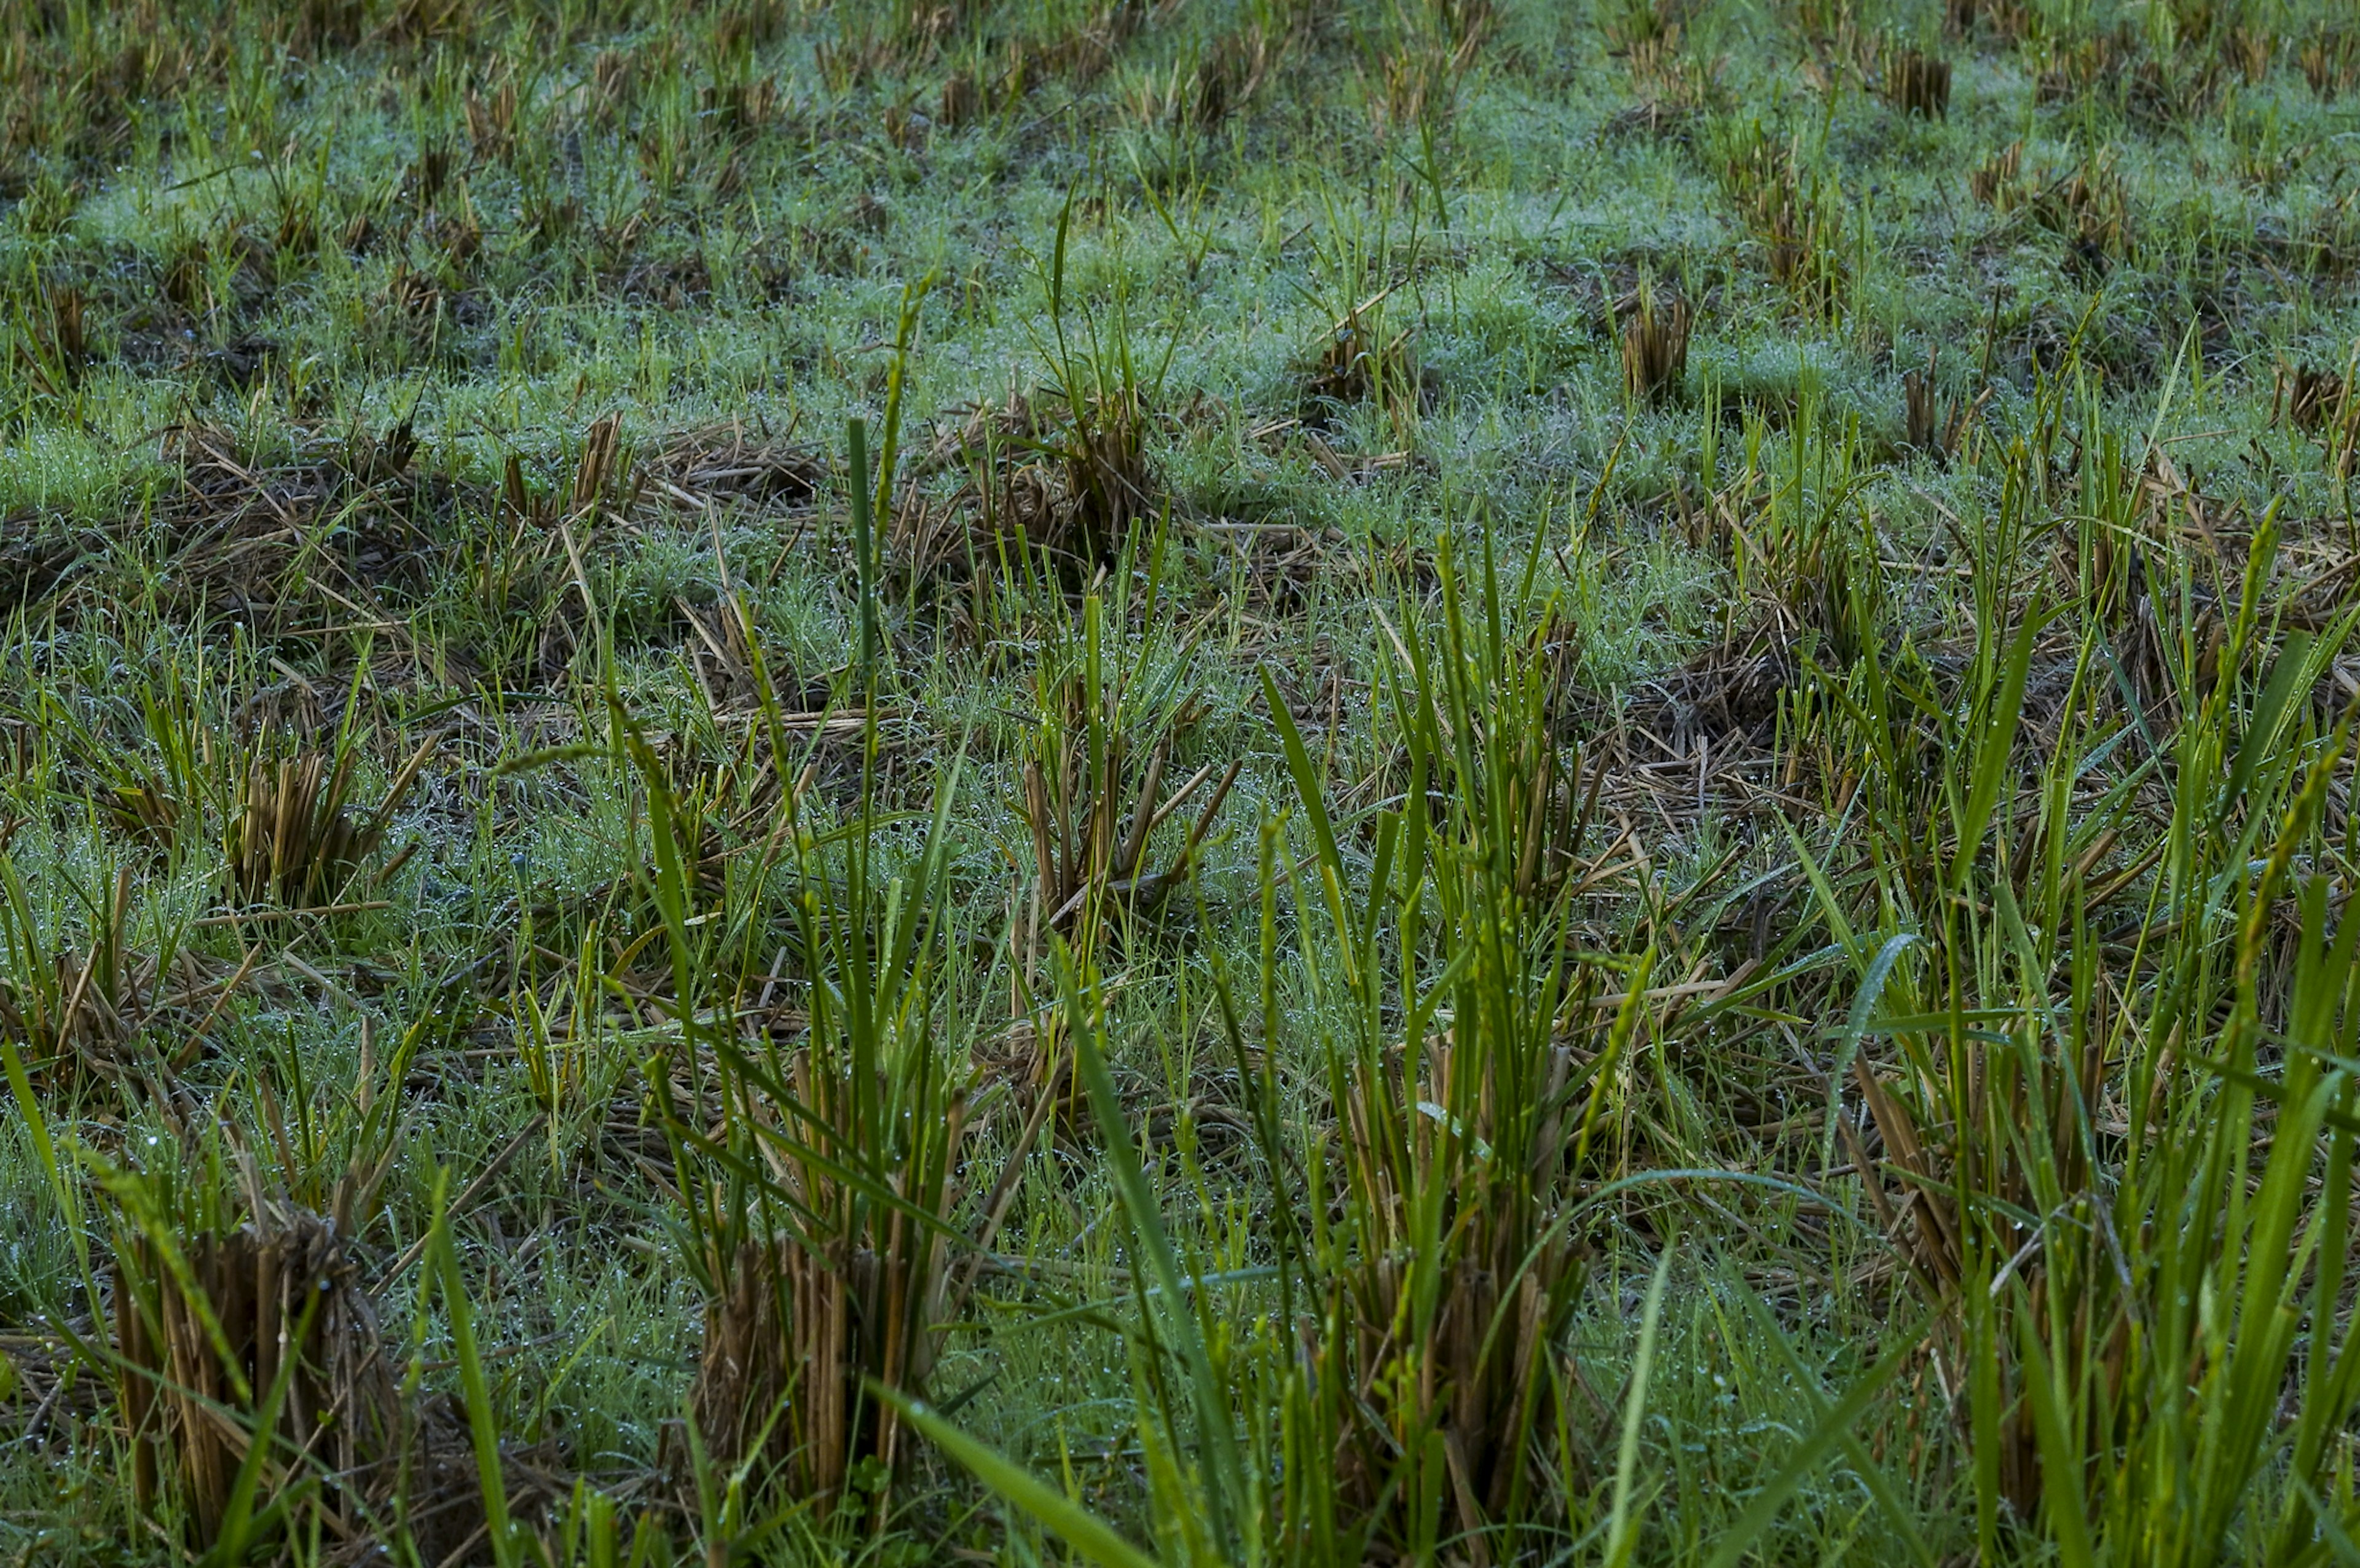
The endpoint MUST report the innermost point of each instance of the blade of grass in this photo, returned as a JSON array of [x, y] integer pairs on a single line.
[[1212, 1402], [1623, 1524], [1052, 1509], [483, 1425], [1833, 1429]]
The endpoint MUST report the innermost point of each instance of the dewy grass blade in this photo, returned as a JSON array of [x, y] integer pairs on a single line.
[[1314, 799], [864, 544], [2290, 673], [483, 1422], [1622, 1523], [1995, 748], [2064, 1506], [1083, 1530], [1177, 1319], [36, 1122], [1834, 1428], [1863, 1008]]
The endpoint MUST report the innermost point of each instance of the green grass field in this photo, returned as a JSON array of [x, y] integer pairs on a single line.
[[1223, 781]]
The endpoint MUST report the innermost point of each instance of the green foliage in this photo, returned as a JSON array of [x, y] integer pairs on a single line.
[[607, 613]]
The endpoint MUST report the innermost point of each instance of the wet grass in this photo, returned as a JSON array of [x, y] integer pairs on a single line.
[[1237, 781]]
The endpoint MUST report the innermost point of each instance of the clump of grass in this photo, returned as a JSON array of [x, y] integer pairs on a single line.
[[1109, 482], [2004, 19], [2249, 49], [1917, 83], [2091, 208], [2078, 60], [296, 840], [2322, 403], [2310, 399], [822, 1281], [603, 466], [1417, 63], [1229, 72], [82, 1015], [1360, 359], [1651, 35], [52, 346], [1655, 349], [1796, 218], [1995, 182], [820, 1194], [1463, 1151], [1810, 551], [1069, 482], [257, 1397], [1928, 426], [492, 119], [2328, 58], [1090, 827], [1070, 476], [961, 101]]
